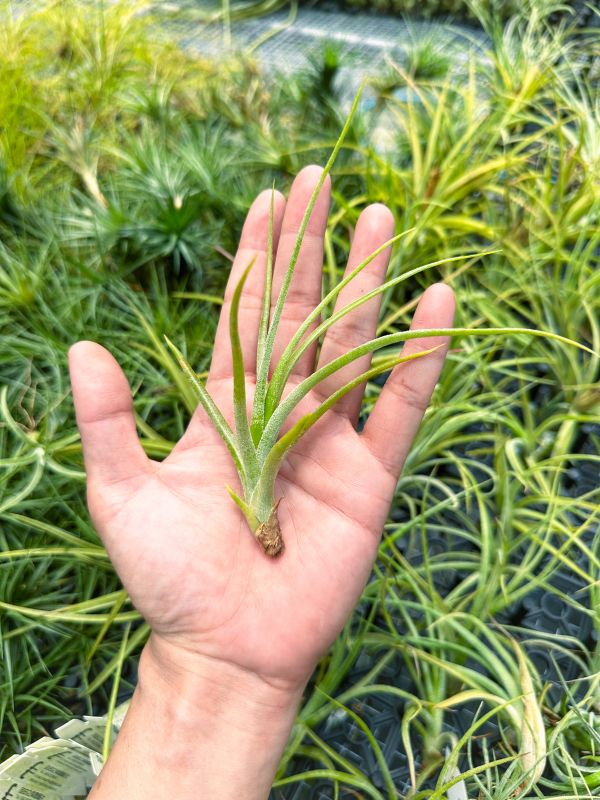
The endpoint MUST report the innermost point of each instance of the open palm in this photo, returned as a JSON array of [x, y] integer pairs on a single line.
[[181, 547]]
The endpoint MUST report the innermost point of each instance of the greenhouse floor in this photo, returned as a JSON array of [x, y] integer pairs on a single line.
[[367, 41]]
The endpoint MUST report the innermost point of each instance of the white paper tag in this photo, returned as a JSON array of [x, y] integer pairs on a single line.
[[88, 732], [12, 790], [119, 714], [54, 766], [60, 769]]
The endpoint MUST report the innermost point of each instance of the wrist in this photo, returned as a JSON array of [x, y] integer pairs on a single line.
[[198, 728], [199, 686]]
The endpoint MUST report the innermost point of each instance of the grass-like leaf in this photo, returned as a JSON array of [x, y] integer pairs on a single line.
[[263, 367], [211, 408], [260, 391], [262, 496], [296, 348], [244, 438]]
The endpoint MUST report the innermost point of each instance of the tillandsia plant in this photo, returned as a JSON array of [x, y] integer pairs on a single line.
[[255, 442]]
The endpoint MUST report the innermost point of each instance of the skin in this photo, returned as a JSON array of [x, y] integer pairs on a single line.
[[236, 634]]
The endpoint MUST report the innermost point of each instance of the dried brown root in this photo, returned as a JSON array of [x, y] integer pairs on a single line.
[[269, 534]]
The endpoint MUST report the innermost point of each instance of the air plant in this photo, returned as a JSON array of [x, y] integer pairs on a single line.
[[255, 444]]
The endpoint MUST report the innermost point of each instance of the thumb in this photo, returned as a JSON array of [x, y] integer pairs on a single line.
[[104, 411]]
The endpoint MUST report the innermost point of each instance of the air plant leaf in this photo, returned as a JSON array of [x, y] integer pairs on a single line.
[[257, 447], [242, 426], [296, 348], [266, 345], [209, 405], [263, 330], [275, 456]]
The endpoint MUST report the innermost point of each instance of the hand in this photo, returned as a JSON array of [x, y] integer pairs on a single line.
[[182, 548]]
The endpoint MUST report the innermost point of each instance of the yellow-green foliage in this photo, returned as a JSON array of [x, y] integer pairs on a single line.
[[72, 74], [157, 155], [430, 8]]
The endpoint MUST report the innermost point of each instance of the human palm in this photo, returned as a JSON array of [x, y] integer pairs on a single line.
[[181, 547]]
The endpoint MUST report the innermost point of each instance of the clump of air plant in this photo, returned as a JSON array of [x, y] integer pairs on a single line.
[[255, 444]]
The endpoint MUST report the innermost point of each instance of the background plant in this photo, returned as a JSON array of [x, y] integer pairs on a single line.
[[499, 499]]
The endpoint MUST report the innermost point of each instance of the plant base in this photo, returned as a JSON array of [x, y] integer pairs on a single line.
[[269, 534]]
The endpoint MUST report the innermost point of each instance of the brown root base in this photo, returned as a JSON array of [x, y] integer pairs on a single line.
[[269, 534]]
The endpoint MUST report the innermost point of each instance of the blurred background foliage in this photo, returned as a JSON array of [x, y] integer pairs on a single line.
[[469, 9], [126, 166]]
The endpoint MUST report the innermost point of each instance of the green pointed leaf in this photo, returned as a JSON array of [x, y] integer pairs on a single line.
[[240, 411], [246, 510], [285, 408], [209, 405], [258, 407], [264, 366], [288, 359], [277, 453], [330, 297]]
